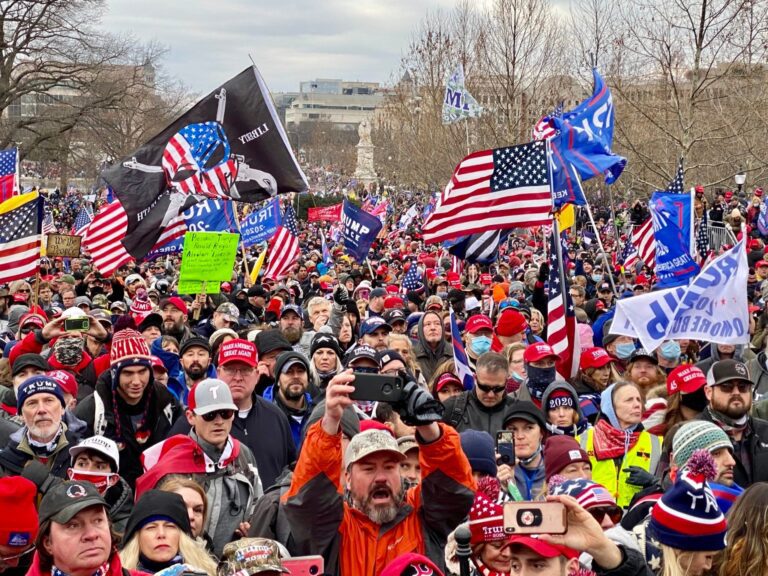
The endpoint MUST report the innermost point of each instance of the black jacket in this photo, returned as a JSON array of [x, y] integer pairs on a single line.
[[119, 498], [266, 431], [476, 416], [757, 439], [163, 412], [15, 456]]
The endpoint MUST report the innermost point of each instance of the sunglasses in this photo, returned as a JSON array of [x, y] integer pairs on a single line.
[[599, 514], [491, 389], [225, 415], [743, 387]]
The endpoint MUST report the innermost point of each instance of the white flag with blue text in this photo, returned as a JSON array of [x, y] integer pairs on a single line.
[[458, 103], [713, 308]]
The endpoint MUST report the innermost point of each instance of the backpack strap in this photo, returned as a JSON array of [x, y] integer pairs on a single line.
[[99, 415], [459, 407]]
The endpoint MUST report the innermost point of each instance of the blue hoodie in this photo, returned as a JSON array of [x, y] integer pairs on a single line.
[[177, 382]]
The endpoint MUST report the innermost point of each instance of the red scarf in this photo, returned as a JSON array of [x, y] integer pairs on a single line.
[[609, 443]]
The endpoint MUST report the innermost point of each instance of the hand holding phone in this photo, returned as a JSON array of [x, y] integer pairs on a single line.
[[505, 447], [377, 387], [535, 518]]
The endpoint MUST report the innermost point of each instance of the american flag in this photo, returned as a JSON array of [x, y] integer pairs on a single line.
[[21, 220], [493, 190], [460, 356], [561, 320], [629, 255], [642, 238], [82, 222], [103, 240], [457, 265], [9, 173], [176, 228], [676, 185], [412, 279], [48, 225], [284, 247], [702, 237], [544, 129], [327, 258], [187, 155]]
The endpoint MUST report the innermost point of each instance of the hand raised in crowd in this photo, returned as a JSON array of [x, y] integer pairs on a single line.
[[337, 399], [340, 295]]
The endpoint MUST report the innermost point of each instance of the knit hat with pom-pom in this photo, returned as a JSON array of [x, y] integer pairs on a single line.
[[687, 517]]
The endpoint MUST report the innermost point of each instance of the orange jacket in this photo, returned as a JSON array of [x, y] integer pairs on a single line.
[[352, 544]]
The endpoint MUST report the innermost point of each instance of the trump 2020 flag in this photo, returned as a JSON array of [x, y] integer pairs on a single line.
[[260, 225], [586, 135], [458, 103], [712, 308], [229, 146], [359, 230]]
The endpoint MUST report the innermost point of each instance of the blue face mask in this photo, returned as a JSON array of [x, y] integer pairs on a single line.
[[480, 344], [443, 295], [597, 277], [670, 350], [624, 351]]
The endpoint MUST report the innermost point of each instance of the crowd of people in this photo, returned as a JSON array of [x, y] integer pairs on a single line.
[[324, 415]]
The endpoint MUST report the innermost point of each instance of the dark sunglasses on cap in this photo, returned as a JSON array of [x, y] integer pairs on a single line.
[[613, 512], [225, 415], [489, 389]]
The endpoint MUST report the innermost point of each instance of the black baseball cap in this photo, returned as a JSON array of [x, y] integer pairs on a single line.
[[392, 317], [728, 370], [258, 290], [194, 341], [63, 501], [643, 353], [360, 352], [288, 359], [27, 360]]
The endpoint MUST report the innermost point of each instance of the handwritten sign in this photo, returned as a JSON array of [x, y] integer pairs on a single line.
[[207, 257], [63, 245], [196, 287]]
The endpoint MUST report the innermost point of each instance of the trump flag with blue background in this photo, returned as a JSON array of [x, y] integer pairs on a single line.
[[359, 230]]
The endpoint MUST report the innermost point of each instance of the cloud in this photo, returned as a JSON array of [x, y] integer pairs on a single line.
[[290, 40]]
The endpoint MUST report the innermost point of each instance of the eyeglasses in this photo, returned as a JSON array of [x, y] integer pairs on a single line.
[[245, 371], [615, 514], [491, 389], [6, 559], [225, 415], [743, 387]]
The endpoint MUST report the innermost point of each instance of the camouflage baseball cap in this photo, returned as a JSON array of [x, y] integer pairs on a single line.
[[371, 442], [249, 556]]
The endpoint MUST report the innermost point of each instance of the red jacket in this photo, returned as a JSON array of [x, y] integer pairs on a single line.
[[115, 567]]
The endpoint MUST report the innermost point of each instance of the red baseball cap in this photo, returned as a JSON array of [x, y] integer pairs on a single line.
[[538, 351], [445, 379], [157, 363], [685, 379], [594, 358], [544, 549], [66, 381], [479, 322], [238, 350]]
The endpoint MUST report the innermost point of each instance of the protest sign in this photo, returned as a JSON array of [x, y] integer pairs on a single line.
[[63, 245], [360, 230], [325, 213], [261, 225], [208, 257], [713, 308]]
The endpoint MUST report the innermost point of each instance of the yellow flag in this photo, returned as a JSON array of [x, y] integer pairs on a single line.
[[258, 265], [566, 217]]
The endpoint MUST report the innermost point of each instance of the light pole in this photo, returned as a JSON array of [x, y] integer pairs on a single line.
[[740, 178]]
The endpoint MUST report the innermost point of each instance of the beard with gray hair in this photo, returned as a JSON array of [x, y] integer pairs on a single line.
[[380, 513]]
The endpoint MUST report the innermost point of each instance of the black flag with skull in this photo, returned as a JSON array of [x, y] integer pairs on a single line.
[[230, 145]]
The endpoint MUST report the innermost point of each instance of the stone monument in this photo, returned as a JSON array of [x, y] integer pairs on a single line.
[[365, 172]]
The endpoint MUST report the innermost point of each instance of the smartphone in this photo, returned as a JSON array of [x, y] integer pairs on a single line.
[[535, 518], [505, 446], [377, 387], [77, 324], [304, 565]]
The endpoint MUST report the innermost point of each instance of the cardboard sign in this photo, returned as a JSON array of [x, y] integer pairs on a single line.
[[207, 257], [63, 245]]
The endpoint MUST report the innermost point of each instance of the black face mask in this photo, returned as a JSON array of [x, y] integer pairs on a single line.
[[695, 400]]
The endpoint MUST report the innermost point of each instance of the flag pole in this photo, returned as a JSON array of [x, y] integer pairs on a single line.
[[247, 279], [466, 130], [602, 250]]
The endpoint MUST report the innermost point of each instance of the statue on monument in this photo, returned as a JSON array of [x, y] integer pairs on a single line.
[[365, 171]]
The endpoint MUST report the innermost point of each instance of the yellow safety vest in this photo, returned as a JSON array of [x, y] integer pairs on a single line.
[[644, 454]]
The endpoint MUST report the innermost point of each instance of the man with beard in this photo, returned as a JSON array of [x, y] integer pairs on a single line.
[[729, 397], [290, 394], [332, 515], [195, 361], [226, 315], [292, 327], [374, 332], [175, 312]]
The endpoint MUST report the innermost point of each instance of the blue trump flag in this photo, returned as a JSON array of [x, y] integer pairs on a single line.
[[585, 136], [209, 216], [261, 225], [359, 230], [671, 213], [762, 220]]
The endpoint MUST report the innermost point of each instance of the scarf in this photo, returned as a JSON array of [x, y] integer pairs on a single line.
[[45, 449], [727, 423], [573, 430], [103, 570], [610, 442], [147, 565], [484, 570]]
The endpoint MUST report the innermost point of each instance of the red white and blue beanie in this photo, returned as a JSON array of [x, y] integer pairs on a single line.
[[128, 349], [687, 516]]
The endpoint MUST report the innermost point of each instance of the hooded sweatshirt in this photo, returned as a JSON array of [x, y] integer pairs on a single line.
[[427, 357], [575, 429]]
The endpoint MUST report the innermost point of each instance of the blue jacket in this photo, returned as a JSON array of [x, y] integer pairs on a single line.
[[177, 382], [296, 427]]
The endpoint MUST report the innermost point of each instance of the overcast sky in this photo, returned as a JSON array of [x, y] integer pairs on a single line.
[[290, 40]]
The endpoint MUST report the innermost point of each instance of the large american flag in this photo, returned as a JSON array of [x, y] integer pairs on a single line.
[[544, 128], [493, 190], [9, 173], [412, 279], [82, 222], [284, 247], [642, 238], [561, 320], [21, 220], [103, 239], [629, 256], [48, 226], [176, 228], [187, 155]]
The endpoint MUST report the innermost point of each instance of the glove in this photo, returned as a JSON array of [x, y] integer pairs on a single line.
[[543, 272], [417, 406], [340, 295], [640, 477]]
